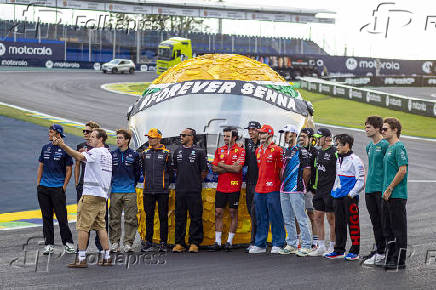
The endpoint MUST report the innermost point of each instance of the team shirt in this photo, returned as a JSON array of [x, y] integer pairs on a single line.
[[229, 182], [85, 146], [296, 159], [55, 161], [312, 151], [270, 163], [251, 162], [125, 171], [189, 162], [376, 153], [350, 176], [395, 157], [98, 172], [325, 171]]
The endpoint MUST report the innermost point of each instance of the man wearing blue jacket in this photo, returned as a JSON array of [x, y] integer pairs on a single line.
[[349, 182], [125, 174]]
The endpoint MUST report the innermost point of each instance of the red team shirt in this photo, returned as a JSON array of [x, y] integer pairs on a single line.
[[270, 162], [229, 182]]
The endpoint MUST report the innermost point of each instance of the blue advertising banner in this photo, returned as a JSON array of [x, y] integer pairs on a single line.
[[20, 50], [361, 66]]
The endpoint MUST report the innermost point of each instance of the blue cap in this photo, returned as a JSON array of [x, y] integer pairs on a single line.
[[58, 128]]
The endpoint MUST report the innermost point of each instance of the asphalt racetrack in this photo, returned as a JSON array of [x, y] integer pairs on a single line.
[[425, 93], [77, 96]]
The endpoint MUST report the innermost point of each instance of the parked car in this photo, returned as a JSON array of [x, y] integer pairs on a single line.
[[119, 66]]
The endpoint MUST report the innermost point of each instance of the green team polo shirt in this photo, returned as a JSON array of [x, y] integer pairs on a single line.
[[376, 153], [395, 157]]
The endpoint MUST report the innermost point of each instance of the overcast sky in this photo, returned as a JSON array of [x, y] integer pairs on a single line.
[[408, 42], [406, 36]]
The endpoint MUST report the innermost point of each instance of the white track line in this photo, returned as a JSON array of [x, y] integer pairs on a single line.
[[421, 181], [48, 116]]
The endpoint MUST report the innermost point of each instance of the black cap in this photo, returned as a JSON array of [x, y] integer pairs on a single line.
[[322, 132], [253, 125], [308, 131]]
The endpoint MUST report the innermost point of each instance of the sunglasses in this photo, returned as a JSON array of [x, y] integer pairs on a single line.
[[184, 135], [384, 129], [87, 131]]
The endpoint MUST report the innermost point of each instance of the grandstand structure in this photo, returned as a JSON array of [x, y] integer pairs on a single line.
[[98, 45], [102, 44]]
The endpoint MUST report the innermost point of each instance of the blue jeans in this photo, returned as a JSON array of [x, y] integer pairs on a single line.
[[268, 211], [293, 206]]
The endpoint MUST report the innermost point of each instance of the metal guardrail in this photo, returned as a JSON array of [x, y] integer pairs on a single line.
[[371, 96], [386, 81]]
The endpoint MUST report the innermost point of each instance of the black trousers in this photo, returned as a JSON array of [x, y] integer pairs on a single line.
[[53, 200], [79, 190], [395, 229], [189, 202], [149, 207], [347, 213], [249, 199], [374, 205]]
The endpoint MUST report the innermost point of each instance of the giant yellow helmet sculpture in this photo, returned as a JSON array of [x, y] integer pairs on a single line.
[[208, 93]]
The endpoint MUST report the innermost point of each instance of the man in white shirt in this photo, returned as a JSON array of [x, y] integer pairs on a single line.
[[91, 208]]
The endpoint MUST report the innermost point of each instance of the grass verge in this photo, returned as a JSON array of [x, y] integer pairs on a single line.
[[348, 113], [25, 116]]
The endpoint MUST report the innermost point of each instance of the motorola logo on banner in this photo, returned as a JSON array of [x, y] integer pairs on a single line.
[[351, 63], [2, 49]]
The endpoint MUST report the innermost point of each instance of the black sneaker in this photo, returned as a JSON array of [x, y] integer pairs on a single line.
[[163, 247], [147, 247], [228, 247], [214, 248]]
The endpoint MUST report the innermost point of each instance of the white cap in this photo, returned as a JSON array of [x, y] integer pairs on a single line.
[[289, 128]]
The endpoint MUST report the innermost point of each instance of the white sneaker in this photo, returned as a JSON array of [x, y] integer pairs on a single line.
[[288, 250], [257, 250], [303, 252], [49, 249], [318, 252], [128, 248], [275, 250], [331, 249], [115, 248], [376, 258], [69, 248]]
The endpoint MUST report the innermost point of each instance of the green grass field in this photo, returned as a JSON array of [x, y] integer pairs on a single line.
[[24, 116], [348, 113]]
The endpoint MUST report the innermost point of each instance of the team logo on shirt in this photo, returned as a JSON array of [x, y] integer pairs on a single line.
[[222, 156], [234, 182], [269, 183]]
